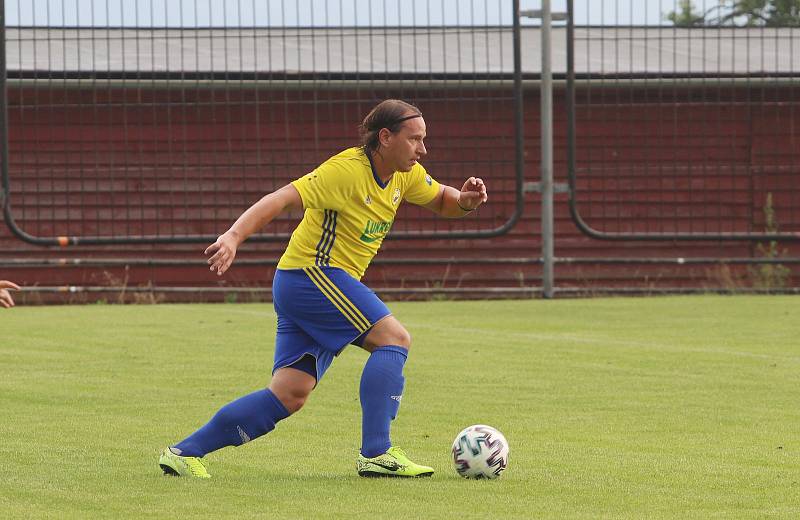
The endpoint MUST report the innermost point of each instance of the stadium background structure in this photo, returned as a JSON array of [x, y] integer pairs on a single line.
[[171, 132]]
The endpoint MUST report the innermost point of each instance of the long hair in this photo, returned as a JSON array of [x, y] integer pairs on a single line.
[[389, 114]]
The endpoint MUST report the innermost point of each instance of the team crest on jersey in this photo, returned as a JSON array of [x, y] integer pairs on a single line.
[[395, 196], [368, 200], [428, 180]]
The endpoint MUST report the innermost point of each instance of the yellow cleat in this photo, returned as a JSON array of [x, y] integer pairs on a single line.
[[179, 466], [393, 463]]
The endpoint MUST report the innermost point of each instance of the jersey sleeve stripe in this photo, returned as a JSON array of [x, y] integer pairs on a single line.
[[331, 239], [336, 297], [323, 239]]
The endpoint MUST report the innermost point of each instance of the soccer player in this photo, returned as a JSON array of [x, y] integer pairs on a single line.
[[5, 296], [350, 202]]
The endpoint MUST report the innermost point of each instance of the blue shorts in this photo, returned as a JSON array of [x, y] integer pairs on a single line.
[[320, 311]]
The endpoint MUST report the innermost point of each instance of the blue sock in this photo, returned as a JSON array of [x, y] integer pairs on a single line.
[[381, 390], [235, 423]]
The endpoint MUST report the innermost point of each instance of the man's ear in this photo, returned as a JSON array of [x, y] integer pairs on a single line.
[[384, 135]]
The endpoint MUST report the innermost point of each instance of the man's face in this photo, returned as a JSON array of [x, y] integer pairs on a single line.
[[404, 148]]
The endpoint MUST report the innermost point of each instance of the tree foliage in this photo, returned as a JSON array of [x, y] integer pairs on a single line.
[[769, 13], [685, 15]]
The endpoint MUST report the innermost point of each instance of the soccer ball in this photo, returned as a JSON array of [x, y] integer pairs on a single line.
[[480, 451]]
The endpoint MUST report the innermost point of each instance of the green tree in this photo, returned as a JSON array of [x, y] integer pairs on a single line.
[[685, 16], [770, 13]]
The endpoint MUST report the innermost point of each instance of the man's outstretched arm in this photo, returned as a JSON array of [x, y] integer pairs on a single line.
[[5, 297], [223, 251], [452, 203]]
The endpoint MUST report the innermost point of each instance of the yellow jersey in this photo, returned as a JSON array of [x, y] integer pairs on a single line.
[[349, 211]]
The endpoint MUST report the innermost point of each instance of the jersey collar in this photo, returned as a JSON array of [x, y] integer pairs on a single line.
[[375, 174]]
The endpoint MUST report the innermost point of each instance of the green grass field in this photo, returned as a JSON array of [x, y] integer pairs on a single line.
[[678, 407]]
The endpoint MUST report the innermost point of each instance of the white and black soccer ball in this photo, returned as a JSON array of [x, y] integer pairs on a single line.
[[480, 451]]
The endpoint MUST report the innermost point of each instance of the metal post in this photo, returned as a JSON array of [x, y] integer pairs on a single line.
[[4, 183], [547, 155], [519, 122], [546, 186]]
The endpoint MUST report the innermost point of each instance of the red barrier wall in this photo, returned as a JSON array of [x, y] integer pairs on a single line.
[[645, 164]]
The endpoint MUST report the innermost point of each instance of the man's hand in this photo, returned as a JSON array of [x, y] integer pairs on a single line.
[[473, 194], [5, 296], [222, 252]]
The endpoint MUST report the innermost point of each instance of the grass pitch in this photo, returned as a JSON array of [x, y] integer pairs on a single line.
[[680, 407]]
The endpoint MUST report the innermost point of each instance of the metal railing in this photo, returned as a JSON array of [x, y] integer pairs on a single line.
[[149, 129], [684, 133]]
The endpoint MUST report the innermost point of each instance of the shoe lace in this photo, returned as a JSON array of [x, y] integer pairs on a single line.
[[398, 452], [196, 466]]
